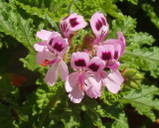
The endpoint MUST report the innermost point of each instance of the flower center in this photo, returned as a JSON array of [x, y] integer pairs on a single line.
[[80, 62]]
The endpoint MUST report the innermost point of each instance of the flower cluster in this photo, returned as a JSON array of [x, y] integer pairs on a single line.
[[93, 69]]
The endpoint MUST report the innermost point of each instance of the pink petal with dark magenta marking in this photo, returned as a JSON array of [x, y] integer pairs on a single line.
[[114, 65], [71, 24], [58, 45], [119, 44], [96, 64], [79, 60], [77, 22], [105, 52], [117, 47], [99, 25]]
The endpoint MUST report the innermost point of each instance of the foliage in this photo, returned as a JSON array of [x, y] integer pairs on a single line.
[[34, 104], [151, 13]]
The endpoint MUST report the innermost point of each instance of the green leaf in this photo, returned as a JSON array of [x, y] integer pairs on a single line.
[[126, 25], [146, 59], [56, 9], [30, 61], [139, 39], [121, 122], [41, 13], [88, 7], [13, 24], [143, 100], [132, 77], [114, 112], [150, 11], [135, 2]]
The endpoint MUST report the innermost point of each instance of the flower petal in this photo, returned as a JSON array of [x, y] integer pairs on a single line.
[[99, 25], [51, 75], [105, 52], [71, 24], [122, 42], [92, 88], [63, 70], [114, 64], [43, 56], [58, 45], [119, 44], [79, 60], [77, 22], [76, 95], [40, 46], [72, 81], [113, 81], [43, 34], [96, 64]]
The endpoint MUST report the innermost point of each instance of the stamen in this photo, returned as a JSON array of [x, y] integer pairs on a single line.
[[45, 62]]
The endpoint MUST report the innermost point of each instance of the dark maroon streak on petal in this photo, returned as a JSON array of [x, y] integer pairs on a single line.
[[80, 62], [103, 20], [64, 27], [73, 22], [50, 42], [116, 55], [94, 67], [58, 47], [99, 24], [106, 56]]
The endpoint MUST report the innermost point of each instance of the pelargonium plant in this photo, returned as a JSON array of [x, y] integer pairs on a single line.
[[93, 69]]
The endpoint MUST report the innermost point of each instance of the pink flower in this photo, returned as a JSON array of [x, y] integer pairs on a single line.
[[72, 23], [80, 82], [99, 27], [51, 52], [89, 75], [96, 66], [53, 47], [111, 50], [79, 61], [112, 80]]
